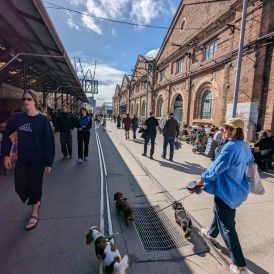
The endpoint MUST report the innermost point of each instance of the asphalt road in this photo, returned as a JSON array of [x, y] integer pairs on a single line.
[[70, 205]]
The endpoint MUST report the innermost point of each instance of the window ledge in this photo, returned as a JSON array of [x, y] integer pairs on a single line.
[[203, 121]]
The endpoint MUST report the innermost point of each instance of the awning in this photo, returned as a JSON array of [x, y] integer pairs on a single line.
[[30, 49]]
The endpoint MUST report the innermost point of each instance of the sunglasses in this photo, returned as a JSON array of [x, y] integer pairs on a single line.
[[27, 99]]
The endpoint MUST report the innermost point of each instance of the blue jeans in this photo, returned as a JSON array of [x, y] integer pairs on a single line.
[[134, 132], [152, 140], [224, 223], [169, 140]]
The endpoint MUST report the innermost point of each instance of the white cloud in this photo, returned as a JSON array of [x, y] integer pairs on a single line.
[[71, 23], [144, 11], [151, 54], [89, 22], [135, 11]]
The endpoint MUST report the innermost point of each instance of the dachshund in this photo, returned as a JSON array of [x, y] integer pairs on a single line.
[[105, 250], [123, 206], [182, 219]]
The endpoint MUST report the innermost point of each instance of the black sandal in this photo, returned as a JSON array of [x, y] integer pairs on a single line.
[[32, 223]]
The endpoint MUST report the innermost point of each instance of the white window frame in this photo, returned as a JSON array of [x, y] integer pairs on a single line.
[[180, 65], [162, 75], [210, 50]]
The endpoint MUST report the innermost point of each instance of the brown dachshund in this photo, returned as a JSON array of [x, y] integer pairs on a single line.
[[123, 206]]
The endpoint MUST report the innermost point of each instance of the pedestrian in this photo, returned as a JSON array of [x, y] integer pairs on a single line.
[[161, 124], [84, 125], [35, 151], [127, 125], [263, 150], [64, 124], [170, 132], [3, 125], [226, 179], [134, 125], [118, 121], [151, 125], [114, 119]]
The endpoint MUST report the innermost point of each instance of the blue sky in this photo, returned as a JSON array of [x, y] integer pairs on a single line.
[[114, 46]]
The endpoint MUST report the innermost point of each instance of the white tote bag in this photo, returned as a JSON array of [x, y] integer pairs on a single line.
[[254, 179]]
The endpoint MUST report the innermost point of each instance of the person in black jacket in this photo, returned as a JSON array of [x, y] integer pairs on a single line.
[[170, 132], [32, 144], [151, 125], [84, 125], [64, 124], [134, 125]]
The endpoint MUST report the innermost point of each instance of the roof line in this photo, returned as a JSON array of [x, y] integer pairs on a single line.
[[44, 14]]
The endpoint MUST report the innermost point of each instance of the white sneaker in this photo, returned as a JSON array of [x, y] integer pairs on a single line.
[[79, 161], [204, 232], [235, 270]]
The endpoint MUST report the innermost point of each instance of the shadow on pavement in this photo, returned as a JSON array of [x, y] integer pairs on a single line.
[[186, 167], [131, 244], [255, 268]]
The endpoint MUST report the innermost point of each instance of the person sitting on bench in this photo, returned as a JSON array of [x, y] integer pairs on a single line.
[[265, 144]]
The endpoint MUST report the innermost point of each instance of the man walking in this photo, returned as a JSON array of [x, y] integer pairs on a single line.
[[134, 125], [170, 132], [64, 124], [127, 125], [151, 125]]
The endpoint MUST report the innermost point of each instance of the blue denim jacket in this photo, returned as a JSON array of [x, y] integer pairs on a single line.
[[226, 177]]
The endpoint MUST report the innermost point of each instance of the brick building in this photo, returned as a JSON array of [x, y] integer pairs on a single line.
[[195, 68]]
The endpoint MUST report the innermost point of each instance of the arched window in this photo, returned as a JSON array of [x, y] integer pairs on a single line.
[[143, 112], [178, 108], [206, 105], [160, 107]]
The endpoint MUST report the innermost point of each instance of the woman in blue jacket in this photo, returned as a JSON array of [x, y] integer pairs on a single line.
[[83, 135], [34, 151], [227, 181]]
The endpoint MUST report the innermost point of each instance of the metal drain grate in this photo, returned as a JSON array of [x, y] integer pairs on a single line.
[[155, 230]]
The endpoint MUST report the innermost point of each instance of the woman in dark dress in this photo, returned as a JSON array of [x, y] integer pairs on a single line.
[[34, 149], [118, 121]]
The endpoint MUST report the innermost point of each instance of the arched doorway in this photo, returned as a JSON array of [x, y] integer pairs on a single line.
[[132, 109], [160, 107], [137, 110], [178, 108], [143, 110]]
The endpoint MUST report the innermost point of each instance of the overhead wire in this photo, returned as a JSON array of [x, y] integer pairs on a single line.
[[58, 7]]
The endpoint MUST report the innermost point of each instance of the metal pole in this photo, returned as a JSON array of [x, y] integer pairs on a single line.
[[239, 61], [147, 64], [55, 99], [24, 77]]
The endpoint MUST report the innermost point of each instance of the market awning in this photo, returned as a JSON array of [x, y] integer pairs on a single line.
[[30, 49]]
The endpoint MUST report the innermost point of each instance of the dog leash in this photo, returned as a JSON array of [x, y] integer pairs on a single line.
[[159, 192], [172, 203]]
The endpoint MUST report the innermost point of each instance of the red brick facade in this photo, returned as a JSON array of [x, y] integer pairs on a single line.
[[197, 61]]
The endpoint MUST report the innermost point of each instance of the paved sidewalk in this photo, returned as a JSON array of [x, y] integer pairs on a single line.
[[255, 217]]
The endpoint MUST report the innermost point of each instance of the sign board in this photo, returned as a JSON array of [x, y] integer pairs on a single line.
[[92, 101], [246, 111]]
